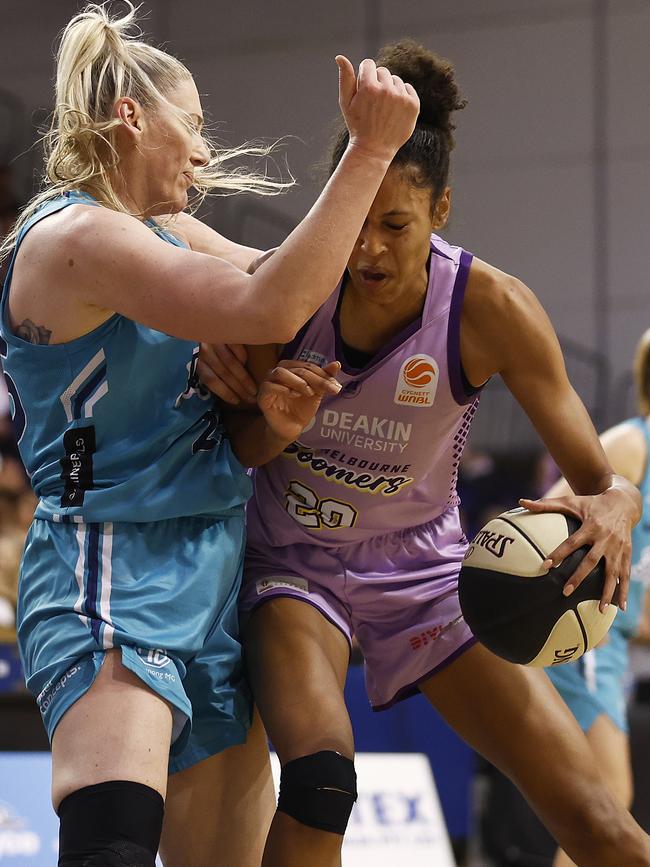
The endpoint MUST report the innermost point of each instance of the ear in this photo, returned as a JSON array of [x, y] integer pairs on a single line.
[[441, 210], [130, 113]]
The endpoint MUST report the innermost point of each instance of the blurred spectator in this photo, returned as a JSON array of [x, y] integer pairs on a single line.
[[9, 208], [16, 510], [17, 504], [6, 436], [9, 205], [490, 483]]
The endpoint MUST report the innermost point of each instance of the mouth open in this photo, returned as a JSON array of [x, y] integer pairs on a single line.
[[372, 275]]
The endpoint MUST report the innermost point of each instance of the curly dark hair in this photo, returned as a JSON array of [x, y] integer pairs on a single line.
[[426, 154]]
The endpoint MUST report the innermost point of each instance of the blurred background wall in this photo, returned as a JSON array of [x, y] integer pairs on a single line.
[[552, 149]]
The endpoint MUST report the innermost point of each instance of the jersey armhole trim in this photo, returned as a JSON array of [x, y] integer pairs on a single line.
[[461, 389]]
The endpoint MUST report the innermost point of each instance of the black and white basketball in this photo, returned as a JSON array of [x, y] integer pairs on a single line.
[[515, 607]]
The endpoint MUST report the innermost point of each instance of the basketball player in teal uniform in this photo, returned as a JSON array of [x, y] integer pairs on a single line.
[[354, 529], [594, 686], [127, 617]]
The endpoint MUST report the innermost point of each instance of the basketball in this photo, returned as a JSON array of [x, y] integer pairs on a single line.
[[515, 607]]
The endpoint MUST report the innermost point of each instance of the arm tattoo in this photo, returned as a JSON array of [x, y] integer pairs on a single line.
[[32, 333]]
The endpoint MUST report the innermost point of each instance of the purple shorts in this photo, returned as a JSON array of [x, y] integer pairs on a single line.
[[397, 594]]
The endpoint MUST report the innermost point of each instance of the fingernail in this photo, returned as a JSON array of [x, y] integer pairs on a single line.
[[338, 386], [252, 391], [547, 564], [624, 606], [568, 589]]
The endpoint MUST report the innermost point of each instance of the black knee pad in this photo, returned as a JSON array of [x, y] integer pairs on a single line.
[[121, 855], [113, 824], [319, 791]]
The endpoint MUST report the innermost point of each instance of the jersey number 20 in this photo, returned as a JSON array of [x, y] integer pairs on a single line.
[[303, 504]]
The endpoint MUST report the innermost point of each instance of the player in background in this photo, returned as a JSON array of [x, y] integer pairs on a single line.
[[354, 529], [594, 686], [127, 611]]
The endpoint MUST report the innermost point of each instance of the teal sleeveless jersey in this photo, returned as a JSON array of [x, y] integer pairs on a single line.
[[115, 426], [627, 621]]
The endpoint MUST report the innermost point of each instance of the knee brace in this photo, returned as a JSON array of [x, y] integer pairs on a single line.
[[121, 855], [319, 791], [113, 824]]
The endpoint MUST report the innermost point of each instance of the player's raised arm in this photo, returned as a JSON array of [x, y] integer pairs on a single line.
[[506, 331], [119, 265], [203, 239]]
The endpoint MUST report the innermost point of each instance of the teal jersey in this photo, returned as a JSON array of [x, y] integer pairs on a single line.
[[627, 621], [115, 426]]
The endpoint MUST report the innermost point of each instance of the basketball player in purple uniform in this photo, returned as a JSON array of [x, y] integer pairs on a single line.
[[354, 528]]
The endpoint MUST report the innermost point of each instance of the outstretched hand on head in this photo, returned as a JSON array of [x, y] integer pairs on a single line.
[[380, 110]]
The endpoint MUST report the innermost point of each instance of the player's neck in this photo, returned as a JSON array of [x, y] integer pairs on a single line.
[[368, 323]]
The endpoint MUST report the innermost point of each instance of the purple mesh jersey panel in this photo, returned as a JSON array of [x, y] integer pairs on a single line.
[[383, 454]]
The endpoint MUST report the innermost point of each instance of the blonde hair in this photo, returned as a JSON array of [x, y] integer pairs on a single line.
[[100, 59], [642, 373]]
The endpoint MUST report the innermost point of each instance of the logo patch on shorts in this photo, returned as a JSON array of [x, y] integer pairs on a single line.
[[154, 656], [51, 689], [417, 382], [288, 582], [432, 634]]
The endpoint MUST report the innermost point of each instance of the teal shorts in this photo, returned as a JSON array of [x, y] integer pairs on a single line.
[[596, 683], [164, 593]]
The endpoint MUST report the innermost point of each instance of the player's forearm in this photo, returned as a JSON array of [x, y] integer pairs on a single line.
[[203, 239], [251, 439], [293, 283]]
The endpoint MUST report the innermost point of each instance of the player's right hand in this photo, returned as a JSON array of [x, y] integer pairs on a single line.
[[290, 396], [380, 110]]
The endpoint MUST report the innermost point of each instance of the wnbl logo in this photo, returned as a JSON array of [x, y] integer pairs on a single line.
[[417, 381], [495, 543]]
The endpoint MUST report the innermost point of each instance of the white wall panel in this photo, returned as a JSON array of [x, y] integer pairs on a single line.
[[529, 91], [627, 323], [628, 63], [258, 25], [470, 15], [628, 226], [539, 227]]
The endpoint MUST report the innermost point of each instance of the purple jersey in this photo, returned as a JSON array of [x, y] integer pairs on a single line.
[[383, 454]]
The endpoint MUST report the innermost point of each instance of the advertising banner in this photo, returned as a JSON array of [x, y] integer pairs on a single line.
[[397, 815]]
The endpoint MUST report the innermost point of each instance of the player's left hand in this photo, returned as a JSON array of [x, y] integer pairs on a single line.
[[291, 394], [606, 526]]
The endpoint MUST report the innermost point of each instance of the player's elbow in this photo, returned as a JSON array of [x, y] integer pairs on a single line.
[[274, 322], [287, 331], [272, 330]]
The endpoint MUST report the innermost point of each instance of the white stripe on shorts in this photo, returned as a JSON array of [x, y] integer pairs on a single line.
[[107, 575], [79, 572]]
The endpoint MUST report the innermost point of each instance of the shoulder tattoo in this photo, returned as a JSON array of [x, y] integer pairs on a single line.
[[32, 333]]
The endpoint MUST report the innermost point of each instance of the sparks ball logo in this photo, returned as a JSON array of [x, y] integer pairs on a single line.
[[417, 381], [419, 372]]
